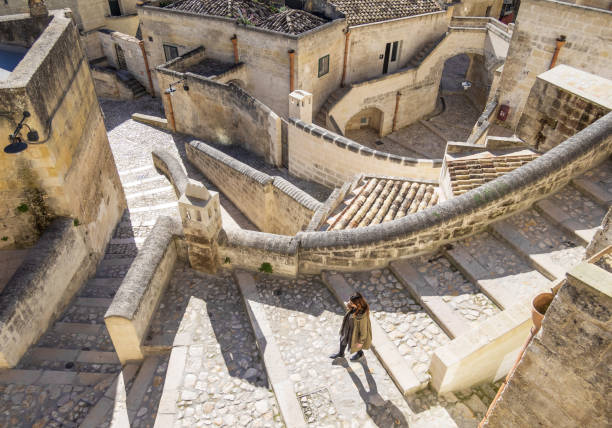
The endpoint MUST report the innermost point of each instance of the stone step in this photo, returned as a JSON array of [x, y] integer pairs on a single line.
[[78, 328], [100, 287], [98, 302], [141, 384], [397, 366], [435, 305], [498, 271], [153, 200], [114, 397], [50, 377], [278, 375], [77, 336], [574, 212], [137, 170], [548, 249], [91, 314], [594, 191], [145, 183], [153, 191], [38, 355], [157, 207]]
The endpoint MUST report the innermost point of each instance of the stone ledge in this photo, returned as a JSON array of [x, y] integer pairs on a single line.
[[296, 193]]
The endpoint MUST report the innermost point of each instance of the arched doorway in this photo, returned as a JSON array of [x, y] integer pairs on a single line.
[[365, 125]]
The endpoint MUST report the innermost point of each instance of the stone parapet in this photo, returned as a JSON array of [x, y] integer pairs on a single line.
[[127, 319], [42, 286]]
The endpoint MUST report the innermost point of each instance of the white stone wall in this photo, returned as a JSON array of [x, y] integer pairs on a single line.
[[539, 24]]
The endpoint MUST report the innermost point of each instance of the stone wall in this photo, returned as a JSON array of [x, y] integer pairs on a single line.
[[324, 157], [563, 378], [273, 204], [265, 52], [70, 171], [368, 42], [475, 36], [223, 114], [21, 30], [127, 318], [478, 8], [558, 106], [42, 287], [539, 23], [108, 85], [88, 14], [134, 59]]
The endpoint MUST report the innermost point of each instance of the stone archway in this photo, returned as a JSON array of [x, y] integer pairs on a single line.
[[367, 121]]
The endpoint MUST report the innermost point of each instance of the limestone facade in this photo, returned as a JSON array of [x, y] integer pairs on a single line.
[[539, 24]]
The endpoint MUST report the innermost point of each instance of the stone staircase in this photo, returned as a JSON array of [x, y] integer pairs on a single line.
[[134, 85], [76, 356], [417, 59], [321, 117]]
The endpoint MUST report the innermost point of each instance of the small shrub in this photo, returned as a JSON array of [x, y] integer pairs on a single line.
[[227, 260], [4, 238], [23, 208], [266, 267], [76, 222]]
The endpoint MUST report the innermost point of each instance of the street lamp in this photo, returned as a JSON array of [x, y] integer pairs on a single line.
[[16, 143]]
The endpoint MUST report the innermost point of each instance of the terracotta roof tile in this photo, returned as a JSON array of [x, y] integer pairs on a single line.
[[379, 199], [258, 14], [467, 174], [366, 11]]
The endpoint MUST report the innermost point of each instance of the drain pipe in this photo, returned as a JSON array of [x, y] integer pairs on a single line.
[[397, 100], [146, 63], [235, 43], [291, 62], [347, 34], [560, 43], [170, 112]]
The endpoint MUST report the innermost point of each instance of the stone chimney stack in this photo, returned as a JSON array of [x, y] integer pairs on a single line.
[[38, 8]]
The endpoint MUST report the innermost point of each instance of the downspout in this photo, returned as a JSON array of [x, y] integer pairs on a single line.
[[146, 63], [235, 43], [170, 112], [347, 34], [397, 100], [560, 43], [291, 75]]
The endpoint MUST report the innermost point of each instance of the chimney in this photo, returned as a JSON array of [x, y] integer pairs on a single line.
[[38, 8]]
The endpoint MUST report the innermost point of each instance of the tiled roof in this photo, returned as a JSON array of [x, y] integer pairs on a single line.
[[379, 199], [467, 174], [258, 14], [366, 11]]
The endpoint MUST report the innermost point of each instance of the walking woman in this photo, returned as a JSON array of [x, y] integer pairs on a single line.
[[356, 330]]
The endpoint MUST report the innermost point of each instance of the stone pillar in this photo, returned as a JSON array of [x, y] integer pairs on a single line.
[[300, 105], [38, 8], [201, 217]]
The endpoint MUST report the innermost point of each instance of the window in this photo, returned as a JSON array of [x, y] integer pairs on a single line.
[[323, 65], [394, 51], [488, 12], [171, 52]]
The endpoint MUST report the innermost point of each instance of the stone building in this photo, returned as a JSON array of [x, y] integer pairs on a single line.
[[56, 173]]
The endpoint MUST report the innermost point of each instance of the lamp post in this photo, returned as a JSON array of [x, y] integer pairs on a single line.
[[16, 143]]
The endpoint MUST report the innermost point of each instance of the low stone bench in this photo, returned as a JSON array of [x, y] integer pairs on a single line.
[[128, 317]]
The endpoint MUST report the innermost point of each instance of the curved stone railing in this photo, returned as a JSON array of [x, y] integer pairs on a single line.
[[127, 319], [170, 166], [375, 246]]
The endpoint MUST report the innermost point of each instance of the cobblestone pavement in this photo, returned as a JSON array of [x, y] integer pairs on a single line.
[[544, 238], [602, 175], [305, 319], [47, 406], [406, 323], [463, 296], [466, 407], [224, 382]]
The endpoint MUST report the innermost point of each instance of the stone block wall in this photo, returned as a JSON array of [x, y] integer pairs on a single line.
[[563, 378], [539, 23], [324, 157], [273, 204], [71, 171], [108, 85], [555, 112], [134, 59], [478, 8], [223, 114], [368, 42]]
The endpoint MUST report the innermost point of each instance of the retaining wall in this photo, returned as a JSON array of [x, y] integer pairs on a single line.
[[273, 204], [127, 319], [330, 159]]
